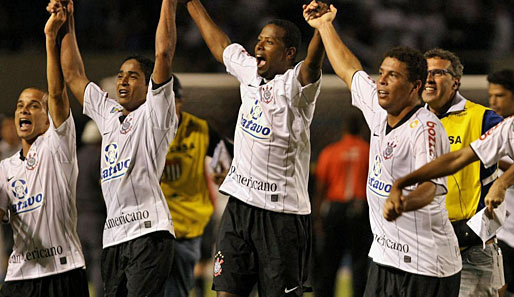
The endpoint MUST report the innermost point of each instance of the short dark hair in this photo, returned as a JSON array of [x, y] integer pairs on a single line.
[[416, 63], [292, 36], [456, 68], [145, 63], [504, 77], [177, 87]]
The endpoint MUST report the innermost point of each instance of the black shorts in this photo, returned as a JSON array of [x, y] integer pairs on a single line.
[[258, 246], [386, 281], [69, 283], [508, 264], [138, 267]]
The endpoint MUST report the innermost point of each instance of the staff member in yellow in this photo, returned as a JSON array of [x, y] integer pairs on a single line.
[[464, 122], [185, 187]]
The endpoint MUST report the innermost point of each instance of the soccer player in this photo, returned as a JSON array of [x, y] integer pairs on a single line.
[[37, 189], [137, 130], [418, 254], [184, 184], [341, 178], [464, 122], [501, 100], [265, 231]]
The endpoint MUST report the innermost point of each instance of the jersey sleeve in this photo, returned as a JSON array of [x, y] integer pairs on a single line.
[[490, 120], [62, 140], [306, 94], [4, 198], [364, 95], [430, 143], [97, 105], [161, 106], [240, 63], [495, 143]]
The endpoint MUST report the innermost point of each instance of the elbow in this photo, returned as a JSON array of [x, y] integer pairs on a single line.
[[165, 56]]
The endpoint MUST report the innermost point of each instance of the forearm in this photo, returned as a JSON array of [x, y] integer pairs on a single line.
[[421, 196], [443, 166], [71, 62], [53, 69], [314, 60], [343, 61], [165, 41], [214, 37], [507, 178]]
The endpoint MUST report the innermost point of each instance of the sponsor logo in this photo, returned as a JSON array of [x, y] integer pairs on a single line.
[[388, 151], [490, 131], [115, 169], [36, 254], [252, 183], [25, 203], [375, 184], [455, 139], [31, 161], [218, 261], [287, 291], [126, 219], [254, 123], [414, 124], [391, 244], [431, 138], [267, 94], [116, 109]]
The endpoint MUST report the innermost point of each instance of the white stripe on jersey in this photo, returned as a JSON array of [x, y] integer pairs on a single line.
[[493, 145], [39, 194], [272, 149], [134, 153], [422, 241]]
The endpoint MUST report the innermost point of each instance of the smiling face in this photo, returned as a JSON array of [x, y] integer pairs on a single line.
[[395, 91], [441, 85], [272, 55], [501, 100], [131, 86], [31, 115]]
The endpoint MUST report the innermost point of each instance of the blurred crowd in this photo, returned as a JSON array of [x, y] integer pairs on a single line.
[[478, 30]]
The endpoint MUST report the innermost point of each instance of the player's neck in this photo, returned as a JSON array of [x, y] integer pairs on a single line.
[[394, 118], [25, 146]]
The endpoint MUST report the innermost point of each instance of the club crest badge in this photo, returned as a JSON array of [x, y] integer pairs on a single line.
[[388, 152], [126, 126], [267, 94], [31, 161], [218, 261]]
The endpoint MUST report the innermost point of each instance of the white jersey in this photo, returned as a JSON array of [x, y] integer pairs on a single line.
[[421, 241], [494, 144], [39, 195], [270, 169], [134, 152]]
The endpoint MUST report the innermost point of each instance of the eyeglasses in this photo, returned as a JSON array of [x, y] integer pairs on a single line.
[[438, 72]]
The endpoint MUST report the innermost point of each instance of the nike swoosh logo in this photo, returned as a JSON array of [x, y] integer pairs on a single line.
[[9, 179], [290, 290], [375, 134]]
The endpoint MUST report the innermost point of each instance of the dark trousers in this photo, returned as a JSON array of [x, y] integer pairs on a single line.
[[346, 229]]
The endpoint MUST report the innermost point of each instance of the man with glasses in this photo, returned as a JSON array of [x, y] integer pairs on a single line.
[[464, 122]]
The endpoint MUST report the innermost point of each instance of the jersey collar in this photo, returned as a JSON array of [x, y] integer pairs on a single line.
[[404, 119]]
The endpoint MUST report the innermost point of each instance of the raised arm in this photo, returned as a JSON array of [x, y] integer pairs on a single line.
[[58, 103], [214, 37], [71, 61], [343, 61], [311, 67], [165, 41]]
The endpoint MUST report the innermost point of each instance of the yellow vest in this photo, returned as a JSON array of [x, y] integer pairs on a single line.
[[464, 187], [184, 179]]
